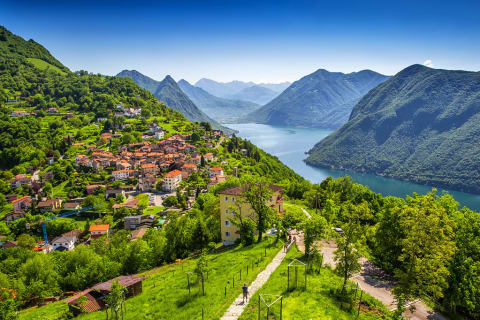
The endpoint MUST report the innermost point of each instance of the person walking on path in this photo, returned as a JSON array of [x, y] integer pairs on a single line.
[[245, 292]]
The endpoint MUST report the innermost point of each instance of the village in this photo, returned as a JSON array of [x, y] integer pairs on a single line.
[[154, 169]]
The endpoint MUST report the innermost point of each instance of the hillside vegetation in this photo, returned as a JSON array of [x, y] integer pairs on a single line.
[[170, 93], [422, 125], [165, 291], [319, 100]]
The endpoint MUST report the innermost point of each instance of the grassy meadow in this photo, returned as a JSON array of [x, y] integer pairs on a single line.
[[165, 291], [317, 302]]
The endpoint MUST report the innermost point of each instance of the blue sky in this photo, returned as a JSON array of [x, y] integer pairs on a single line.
[[269, 41]]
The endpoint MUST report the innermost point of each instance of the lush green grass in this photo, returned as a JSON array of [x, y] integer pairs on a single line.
[[155, 210], [40, 64], [59, 190], [165, 292], [316, 302]]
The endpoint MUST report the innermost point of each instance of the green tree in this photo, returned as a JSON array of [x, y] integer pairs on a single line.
[[351, 242], [313, 229], [26, 241], [427, 248], [201, 269], [116, 297], [256, 193], [170, 201]]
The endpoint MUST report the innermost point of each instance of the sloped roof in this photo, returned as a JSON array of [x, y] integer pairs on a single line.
[[236, 191], [99, 227]]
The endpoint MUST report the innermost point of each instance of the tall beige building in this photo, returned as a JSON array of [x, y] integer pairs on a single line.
[[233, 197]]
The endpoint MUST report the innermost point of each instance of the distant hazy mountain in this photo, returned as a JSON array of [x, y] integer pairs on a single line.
[[322, 99], [170, 93], [229, 89], [220, 109], [257, 94], [422, 125]]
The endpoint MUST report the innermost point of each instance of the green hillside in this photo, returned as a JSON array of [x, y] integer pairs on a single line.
[[165, 291], [422, 125], [43, 65], [170, 93], [319, 100]]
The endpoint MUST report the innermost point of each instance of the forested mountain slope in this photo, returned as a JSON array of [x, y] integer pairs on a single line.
[[170, 93], [220, 109], [422, 125], [322, 100]]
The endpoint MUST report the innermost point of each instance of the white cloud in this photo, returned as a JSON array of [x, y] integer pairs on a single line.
[[428, 63]]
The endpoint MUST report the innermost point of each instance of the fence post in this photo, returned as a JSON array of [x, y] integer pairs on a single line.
[[240, 274], [288, 278], [265, 251], [225, 291], [281, 304], [188, 280], [233, 282], [359, 302], [247, 269]]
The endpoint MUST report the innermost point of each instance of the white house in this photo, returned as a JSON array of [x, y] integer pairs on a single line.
[[172, 180], [66, 241], [122, 174]]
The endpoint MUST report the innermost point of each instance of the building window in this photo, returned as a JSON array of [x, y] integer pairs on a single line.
[[226, 198], [227, 234], [227, 223], [233, 199], [226, 211]]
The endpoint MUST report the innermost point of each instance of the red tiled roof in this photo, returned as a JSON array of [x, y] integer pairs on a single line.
[[21, 199], [99, 227], [172, 174], [125, 281]]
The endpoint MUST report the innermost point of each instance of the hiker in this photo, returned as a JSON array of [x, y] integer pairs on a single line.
[[245, 292]]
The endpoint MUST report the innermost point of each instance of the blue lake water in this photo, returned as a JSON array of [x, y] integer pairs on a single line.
[[289, 145]]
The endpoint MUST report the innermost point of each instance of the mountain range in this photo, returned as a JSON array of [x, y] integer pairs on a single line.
[[322, 99], [220, 109], [170, 93], [422, 125], [260, 93]]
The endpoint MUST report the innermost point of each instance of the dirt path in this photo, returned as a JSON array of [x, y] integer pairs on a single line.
[[237, 307]]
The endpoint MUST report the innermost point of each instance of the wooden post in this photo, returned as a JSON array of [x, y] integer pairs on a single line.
[[268, 311], [247, 269], [188, 280], [359, 301], [225, 291], [296, 277], [106, 313], [202, 314], [305, 271], [233, 281], [203, 286], [288, 278], [281, 304], [240, 274], [121, 308], [258, 307]]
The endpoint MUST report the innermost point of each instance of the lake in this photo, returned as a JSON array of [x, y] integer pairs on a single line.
[[289, 145]]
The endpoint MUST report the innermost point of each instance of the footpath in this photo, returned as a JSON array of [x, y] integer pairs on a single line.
[[237, 307]]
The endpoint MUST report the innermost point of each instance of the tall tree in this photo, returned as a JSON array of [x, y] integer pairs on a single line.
[[427, 248], [350, 244], [257, 193]]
